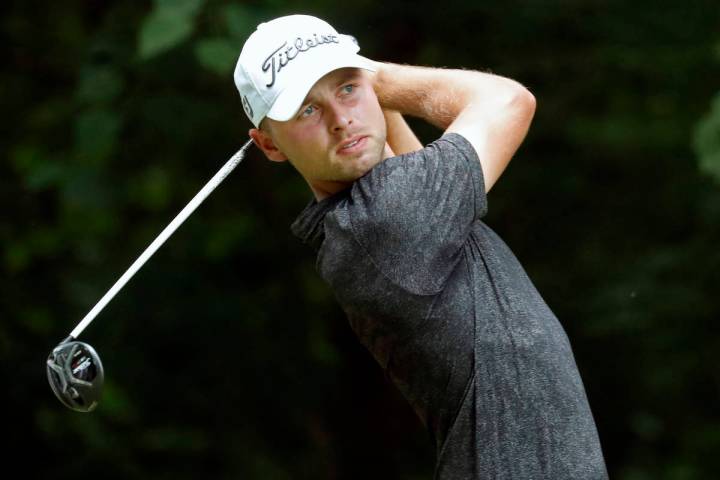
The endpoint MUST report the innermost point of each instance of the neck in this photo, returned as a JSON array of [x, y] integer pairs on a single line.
[[323, 190]]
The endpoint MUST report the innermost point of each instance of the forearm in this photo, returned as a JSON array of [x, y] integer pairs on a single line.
[[400, 137], [493, 113], [438, 96]]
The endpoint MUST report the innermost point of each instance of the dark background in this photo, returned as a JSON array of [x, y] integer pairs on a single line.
[[226, 356]]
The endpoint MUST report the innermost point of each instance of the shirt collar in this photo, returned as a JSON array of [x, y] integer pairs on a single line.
[[308, 226]]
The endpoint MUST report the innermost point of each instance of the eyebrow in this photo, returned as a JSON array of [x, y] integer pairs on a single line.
[[347, 75], [351, 73]]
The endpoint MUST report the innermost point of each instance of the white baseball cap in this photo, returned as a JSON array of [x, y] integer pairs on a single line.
[[281, 61]]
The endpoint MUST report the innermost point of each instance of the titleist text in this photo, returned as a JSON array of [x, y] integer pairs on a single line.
[[285, 53]]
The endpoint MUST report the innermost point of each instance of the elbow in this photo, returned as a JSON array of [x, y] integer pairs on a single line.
[[523, 102], [531, 103], [515, 100], [520, 107]]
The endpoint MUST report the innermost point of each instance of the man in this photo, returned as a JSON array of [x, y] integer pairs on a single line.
[[434, 294]]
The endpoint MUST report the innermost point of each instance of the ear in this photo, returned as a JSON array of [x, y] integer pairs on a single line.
[[265, 143]]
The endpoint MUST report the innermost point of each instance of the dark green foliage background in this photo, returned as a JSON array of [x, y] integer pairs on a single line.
[[226, 356]]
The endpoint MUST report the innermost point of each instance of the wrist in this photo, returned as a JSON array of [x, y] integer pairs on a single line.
[[380, 83]]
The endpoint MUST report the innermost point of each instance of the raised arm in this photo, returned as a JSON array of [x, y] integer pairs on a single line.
[[400, 137], [493, 113]]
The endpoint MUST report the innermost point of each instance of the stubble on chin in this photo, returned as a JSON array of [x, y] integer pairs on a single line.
[[351, 169], [376, 155]]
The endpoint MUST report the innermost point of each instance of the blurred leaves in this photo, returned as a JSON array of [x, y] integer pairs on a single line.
[[173, 439], [99, 85], [707, 140], [227, 356], [217, 54], [37, 169], [96, 134], [151, 189], [241, 21], [170, 23]]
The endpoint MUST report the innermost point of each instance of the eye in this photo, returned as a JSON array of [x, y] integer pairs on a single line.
[[348, 88], [307, 111]]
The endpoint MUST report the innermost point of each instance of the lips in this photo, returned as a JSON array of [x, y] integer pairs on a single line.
[[352, 144]]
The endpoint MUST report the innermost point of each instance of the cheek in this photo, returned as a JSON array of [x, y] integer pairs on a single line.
[[373, 112], [300, 141]]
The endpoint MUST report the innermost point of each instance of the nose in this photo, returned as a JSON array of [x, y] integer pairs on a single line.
[[340, 117]]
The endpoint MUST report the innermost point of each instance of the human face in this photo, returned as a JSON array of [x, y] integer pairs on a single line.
[[336, 137]]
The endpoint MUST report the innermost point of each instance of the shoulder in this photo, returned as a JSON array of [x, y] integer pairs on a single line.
[[413, 183], [412, 166], [408, 217]]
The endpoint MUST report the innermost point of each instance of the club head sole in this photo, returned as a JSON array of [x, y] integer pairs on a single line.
[[76, 376]]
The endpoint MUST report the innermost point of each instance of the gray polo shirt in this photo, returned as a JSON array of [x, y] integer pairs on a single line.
[[451, 316]]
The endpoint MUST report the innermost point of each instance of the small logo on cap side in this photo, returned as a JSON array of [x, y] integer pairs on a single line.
[[247, 107]]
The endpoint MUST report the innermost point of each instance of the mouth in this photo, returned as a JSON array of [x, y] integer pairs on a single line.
[[352, 145]]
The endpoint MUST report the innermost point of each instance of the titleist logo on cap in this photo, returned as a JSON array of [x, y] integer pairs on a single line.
[[282, 55]]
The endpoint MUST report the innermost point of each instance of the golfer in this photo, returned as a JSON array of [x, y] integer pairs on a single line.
[[432, 292]]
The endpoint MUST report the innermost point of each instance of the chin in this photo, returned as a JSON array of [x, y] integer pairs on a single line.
[[359, 166], [364, 165]]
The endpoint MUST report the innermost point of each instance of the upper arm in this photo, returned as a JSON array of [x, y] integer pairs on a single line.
[[496, 128]]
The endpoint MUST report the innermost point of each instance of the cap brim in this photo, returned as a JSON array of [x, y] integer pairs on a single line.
[[291, 98]]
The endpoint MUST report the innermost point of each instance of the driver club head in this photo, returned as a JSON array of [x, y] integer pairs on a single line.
[[75, 373]]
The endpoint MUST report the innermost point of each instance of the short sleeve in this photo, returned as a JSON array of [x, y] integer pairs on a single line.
[[413, 213]]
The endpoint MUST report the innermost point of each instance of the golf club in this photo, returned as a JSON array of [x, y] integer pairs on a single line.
[[74, 369]]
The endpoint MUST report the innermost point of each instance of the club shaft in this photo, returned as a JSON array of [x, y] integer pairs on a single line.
[[164, 235]]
